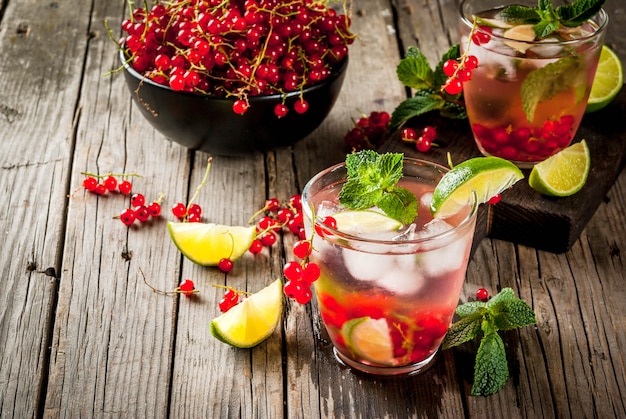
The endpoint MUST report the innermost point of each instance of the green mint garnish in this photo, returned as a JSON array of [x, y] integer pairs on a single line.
[[546, 19], [372, 179], [415, 72], [503, 312], [549, 81]]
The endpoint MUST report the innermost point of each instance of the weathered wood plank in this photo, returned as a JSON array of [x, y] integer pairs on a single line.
[[37, 110], [113, 337]]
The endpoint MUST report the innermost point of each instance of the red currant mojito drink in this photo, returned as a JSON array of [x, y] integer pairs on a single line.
[[387, 291], [526, 98]]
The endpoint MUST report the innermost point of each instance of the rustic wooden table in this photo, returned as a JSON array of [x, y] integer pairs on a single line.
[[81, 335]]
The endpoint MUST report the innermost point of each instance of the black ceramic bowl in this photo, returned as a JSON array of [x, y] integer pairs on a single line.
[[208, 123]]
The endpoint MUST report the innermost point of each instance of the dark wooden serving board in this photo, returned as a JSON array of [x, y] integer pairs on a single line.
[[523, 215]]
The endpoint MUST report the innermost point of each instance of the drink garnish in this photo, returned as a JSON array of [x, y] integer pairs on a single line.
[[546, 19], [483, 176], [563, 174], [503, 312], [372, 179], [607, 82]]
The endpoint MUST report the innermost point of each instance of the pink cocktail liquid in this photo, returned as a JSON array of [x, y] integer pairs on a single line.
[[494, 99], [413, 285]]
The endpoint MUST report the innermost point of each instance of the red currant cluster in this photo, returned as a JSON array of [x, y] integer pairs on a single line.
[[422, 142], [187, 287], [300, 275], [109, 183], [139, 210], [458, 72], [231, 298], [191, 213], [274, 217], [369, 132], [237, 48]]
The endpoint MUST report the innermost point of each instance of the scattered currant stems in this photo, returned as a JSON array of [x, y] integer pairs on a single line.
[[203, 183], [226, 287], [122, 175], [161, 292]]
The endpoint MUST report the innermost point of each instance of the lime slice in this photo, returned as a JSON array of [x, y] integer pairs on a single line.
[[492, 23], [369, 339], [563, 174], [364, 221], [206, 244], [608, 80], [253, 320], [487, 176], [524, 33]]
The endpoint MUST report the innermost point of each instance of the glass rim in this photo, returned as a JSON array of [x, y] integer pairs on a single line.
[[602, 15], [306, 207]]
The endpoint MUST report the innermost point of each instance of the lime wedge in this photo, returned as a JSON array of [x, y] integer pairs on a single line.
[[369, 339], [253, 320], [563, 174], [524, 33], [365, 221], [206, 244], [487, 176], [608, 80]]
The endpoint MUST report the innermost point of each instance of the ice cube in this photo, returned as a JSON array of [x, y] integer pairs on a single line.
[[426, 199], [366, 266], [326, 208], [498, 62], [549, 49], [402, 281], [446, 259]]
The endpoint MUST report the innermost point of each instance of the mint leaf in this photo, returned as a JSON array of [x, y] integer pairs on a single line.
[[577, 13], [399, 204], [463, 331], [519, 14], [547, 82], [470, 308], [513, 314], [491, 370], [372, 180], [415, 106], [414, 70], [505, 294]]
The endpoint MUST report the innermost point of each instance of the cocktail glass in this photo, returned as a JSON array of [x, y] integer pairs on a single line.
[[526, 99], [388, 297]]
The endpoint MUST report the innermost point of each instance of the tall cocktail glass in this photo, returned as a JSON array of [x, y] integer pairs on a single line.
[[387, 296], [526, 98]]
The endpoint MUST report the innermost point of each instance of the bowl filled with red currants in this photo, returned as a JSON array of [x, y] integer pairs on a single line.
[[234, 77]]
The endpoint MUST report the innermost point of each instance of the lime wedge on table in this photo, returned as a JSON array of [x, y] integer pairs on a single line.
[[608, 80], [369, 339], [365, 221], [563, 174], [206, 244], [253, 320], [487, 176]]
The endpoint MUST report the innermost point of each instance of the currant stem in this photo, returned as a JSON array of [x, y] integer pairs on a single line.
[[226, 287], [204, 179], [111, 174]]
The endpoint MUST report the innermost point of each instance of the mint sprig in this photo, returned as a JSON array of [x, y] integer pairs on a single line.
[[546, 19], [372, 179], [415, 72], [503, 312]]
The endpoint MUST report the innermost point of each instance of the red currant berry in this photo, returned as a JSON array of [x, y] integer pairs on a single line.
[[154, 209], [482, 294], [137, 200], [429, 132], [194, 209], [280, 110], [470, 62], [194, 218], [482, 35], [311, 273], [100, 189], [408, 134], [231, 295], [225, 265], [450, 67], [266, 223], [304, 296], [226, 305], [127, 217], [90, 183], [187, 287], [464, 75], [179, 210], [272, 204], [301, 106], [292, 271], [110, 183], [494, 199], [453, 87], [292, 289], [256, 246], [283, 215], [296, 202], [302, 249], [125, 187], [268, 239], [240, 106], [422, 144], [142, 214]]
